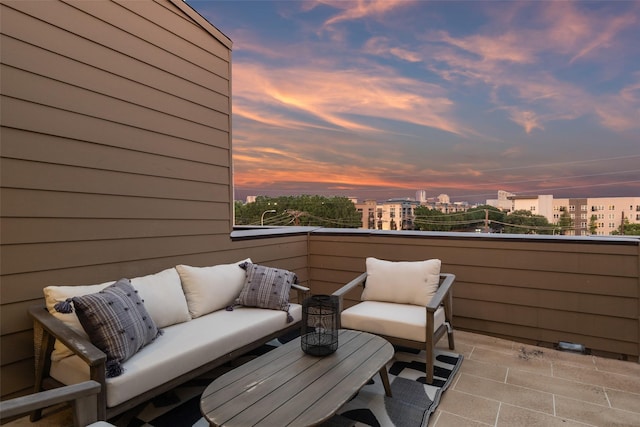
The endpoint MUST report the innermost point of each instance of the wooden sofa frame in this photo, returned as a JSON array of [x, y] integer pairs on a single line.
[[83, 398], [443, 296], [47, 329]]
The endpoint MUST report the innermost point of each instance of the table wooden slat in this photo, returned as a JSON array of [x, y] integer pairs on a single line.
[[288, 387]]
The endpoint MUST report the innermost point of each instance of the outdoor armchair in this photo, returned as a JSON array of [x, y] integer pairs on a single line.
[[83, 398], [392, 312]]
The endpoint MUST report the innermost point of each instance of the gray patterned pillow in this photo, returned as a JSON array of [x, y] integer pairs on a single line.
[[117, 323], [267, 287]]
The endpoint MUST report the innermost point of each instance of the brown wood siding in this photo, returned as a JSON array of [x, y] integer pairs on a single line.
[[116, 151], [535, 291]]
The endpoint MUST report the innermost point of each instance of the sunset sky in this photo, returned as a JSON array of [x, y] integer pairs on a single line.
[[378, 99]]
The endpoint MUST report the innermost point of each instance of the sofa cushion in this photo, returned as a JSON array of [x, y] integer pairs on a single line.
[[163, 297], [182, 347], [161, 292], [56, 294], [386, 318], [213, 288], [403, 282], [117, 322], [266, 287]]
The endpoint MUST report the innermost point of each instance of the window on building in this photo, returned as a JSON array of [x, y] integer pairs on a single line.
[[612, 207], [573, 216], [583, 216], [583, 207], [572, 208], [583, 224]]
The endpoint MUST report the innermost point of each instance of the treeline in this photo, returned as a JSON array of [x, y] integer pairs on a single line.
[[487, 218], [305, 210]]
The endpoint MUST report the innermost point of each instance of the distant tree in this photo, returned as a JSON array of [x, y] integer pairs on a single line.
[[434, 220], [334, 212], [431, 219], [593, 224], [525, 222], [565, 222], [477, 216], [627, 229]]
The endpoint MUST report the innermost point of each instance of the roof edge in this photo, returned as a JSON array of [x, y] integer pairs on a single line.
[[202, 22]]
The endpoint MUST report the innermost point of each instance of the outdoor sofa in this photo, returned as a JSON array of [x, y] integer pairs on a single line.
[[203, 317]]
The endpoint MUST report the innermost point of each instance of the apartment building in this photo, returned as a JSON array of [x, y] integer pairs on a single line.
[[393, 214], [537, 205], [398, 214], [606, 213], [603, 214]]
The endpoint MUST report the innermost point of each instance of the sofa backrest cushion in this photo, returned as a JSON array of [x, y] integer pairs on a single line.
[[402, 282], [163, 297], [212, 288], [56, 294], [161, 292]]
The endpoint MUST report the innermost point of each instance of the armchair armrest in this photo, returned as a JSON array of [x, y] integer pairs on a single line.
[[340, 293], [80, 345], [444, 289], [83, 396]]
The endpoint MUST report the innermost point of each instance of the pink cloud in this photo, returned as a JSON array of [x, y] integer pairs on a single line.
[[359, 9], [345, 99]]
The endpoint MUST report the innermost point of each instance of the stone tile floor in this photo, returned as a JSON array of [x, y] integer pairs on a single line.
[[505, 383]]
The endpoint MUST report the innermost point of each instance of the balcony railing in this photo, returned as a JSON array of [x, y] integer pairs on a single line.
[[533, 289]]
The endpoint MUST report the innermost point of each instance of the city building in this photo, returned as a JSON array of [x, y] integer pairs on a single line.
[[502, 202], [598, 216], [393, 214]]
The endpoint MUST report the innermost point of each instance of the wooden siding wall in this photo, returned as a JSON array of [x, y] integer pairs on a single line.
[[531, 290], [115, 155]]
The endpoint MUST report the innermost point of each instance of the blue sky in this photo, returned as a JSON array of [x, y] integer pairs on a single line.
[[378, 99]]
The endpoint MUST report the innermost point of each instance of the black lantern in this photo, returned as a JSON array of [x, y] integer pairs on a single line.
[[320, 325]]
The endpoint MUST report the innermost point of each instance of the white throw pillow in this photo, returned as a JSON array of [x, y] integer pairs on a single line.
[[211, 288], [163, 297], [56, 294], [402, 282]]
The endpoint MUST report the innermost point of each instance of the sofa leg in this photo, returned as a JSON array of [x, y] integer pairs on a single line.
[[429, 363]]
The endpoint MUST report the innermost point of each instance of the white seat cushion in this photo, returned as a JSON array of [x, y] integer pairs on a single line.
[[395, 320], [182, 348]]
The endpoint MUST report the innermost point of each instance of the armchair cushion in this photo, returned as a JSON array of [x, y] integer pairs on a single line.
[[394, 320], [402, 282]]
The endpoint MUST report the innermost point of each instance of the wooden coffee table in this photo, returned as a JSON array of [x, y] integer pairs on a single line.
[[287, 387]]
